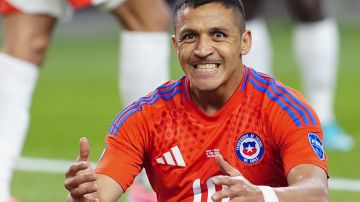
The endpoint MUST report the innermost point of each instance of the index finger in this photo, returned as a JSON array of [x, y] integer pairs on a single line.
[[225, 167]]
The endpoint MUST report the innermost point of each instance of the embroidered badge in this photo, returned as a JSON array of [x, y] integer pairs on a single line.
[[317, 145], [249, 148]]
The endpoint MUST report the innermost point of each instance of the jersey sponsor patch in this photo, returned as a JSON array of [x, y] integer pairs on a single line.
[[249, 148], [317, 145]]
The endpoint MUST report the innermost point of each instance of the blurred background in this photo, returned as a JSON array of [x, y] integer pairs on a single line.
[[77, 96]]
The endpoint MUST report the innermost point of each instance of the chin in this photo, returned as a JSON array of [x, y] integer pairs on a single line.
[[205, 85]]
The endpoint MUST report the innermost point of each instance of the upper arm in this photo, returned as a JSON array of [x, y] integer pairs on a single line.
[[109, 189]]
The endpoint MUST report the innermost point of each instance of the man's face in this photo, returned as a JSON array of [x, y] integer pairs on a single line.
[[209, 45]]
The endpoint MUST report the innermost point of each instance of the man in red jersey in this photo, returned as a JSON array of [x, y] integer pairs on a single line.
[[269, 136]]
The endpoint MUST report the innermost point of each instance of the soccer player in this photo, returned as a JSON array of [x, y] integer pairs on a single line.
[[27, 32], [316, 44], [223, 131]]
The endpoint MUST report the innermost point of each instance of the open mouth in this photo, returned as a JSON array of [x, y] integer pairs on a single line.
[[206, 67]]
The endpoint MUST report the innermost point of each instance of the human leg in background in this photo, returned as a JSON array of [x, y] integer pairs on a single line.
[[144, 62], [316, 47], [260, 54], [26, 38], [144, 49]]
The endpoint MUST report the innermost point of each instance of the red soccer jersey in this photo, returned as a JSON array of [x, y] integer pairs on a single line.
[[264, 130]]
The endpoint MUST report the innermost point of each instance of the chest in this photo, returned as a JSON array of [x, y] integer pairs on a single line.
[[183, 150]]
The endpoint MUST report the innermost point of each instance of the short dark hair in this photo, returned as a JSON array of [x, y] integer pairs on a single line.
[[235, 4]]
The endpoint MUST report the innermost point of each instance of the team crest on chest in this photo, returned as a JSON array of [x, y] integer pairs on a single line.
[[249, 148]]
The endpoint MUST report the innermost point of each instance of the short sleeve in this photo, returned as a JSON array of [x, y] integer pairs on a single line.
[[303, 146], [295, 129], [123, 155]]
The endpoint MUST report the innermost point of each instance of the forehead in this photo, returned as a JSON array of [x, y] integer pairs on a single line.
[[208, 15]]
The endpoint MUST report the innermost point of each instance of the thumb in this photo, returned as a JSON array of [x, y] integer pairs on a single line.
[[225, 167], [84, 149]]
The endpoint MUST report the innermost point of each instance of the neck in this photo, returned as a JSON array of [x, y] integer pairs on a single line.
[[212, 101]]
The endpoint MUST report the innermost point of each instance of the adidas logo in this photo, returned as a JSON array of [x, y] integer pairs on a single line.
[[168, 158]]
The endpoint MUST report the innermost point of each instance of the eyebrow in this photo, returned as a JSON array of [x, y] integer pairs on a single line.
[[212, 29], [219, 28], [187, 30]]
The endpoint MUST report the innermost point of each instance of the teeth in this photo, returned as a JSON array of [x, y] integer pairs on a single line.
[[206, 67]]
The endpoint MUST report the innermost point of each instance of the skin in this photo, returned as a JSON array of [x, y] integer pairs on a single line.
[[211, 35], [28, 36], [209, 44], [86, 186], [306, 183]]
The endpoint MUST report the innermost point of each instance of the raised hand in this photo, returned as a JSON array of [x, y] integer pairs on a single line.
[[237, 187], [80, 178]]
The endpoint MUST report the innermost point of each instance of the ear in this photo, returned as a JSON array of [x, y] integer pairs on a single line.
[[246, 40], [174, 43]]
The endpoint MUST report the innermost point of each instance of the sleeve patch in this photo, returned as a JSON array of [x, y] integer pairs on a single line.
[[317, 145]]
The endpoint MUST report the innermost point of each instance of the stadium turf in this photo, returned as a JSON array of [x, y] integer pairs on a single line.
[[77, 96]]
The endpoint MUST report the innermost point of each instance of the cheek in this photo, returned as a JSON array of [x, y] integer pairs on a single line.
[[229, 53], [232, 48], [184, 53]]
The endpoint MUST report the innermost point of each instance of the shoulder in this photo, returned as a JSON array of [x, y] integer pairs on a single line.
[[162, 98], [279, 101]]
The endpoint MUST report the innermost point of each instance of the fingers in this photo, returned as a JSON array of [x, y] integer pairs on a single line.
[[228, 181], [84, 149], [232, 187], [221, 195], [75, 168], [83, 191], [78, 174], [80, 180], [225, 167]]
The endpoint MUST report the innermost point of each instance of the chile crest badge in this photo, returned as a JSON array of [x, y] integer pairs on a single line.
[[249, 148]]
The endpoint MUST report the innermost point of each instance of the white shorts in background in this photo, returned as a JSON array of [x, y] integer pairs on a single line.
[[60, 9]]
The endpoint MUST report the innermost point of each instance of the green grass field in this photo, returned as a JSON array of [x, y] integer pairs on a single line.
[[77, 96]]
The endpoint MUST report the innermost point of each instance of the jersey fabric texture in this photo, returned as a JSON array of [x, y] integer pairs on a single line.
[[264, 130]]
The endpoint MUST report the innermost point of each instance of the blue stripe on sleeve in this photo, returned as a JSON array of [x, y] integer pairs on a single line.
[[149, 100], [313, 121], [169, 87], [277, 100], [303, 112]]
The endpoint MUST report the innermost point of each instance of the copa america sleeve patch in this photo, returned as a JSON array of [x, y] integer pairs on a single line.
[[317, 145], [249, 148]]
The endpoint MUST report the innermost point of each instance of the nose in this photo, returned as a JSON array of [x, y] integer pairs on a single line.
[[203, 47]]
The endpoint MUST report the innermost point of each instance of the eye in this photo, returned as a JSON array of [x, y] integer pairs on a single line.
[[219, 34], [188, 37]]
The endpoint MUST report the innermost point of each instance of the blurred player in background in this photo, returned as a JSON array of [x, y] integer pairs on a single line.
[[268, 134], [316, 44], [28, 27]]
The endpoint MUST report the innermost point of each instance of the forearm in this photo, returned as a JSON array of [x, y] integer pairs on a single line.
[[311, 190]]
